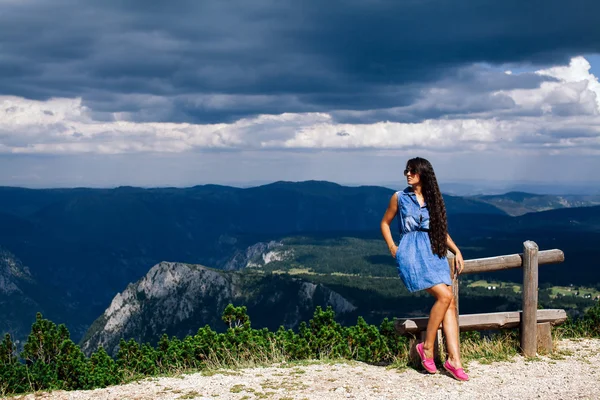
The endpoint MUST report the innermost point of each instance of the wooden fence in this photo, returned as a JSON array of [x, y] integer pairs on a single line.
[[530, 319]]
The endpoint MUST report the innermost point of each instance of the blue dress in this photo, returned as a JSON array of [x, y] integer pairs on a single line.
[[418, 267]]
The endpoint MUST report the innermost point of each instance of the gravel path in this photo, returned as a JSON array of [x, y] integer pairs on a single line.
[[574, 373]]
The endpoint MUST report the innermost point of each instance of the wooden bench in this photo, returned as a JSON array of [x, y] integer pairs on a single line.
[[546, 319], [535, 325]]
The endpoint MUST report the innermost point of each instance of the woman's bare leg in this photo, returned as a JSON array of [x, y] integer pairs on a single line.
[[443, 299], [450, 327]]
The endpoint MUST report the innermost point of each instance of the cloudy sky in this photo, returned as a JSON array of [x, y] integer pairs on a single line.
[[155, 93]]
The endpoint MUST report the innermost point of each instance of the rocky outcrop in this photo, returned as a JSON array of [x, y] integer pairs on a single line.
[[177, 299], [258, 255], [17, 308], [11, 272]]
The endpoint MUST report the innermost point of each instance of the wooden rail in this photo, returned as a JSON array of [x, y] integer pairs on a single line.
[[488, 321], [500, 263]]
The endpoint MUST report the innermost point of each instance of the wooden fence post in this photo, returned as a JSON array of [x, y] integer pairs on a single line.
[[452, 265], [530, 299]]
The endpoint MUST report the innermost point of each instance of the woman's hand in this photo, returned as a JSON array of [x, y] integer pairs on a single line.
[[459, 263], [389, 215]]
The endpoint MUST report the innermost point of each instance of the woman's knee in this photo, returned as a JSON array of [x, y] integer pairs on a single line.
[[447, 298], [444, 295]]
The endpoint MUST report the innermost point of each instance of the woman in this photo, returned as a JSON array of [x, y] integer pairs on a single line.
[[421, 257]]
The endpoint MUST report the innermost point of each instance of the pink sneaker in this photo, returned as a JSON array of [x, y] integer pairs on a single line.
[[457, 373], [427, 363]]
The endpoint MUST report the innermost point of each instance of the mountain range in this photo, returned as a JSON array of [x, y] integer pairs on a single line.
[[80, 247], [519, 203]]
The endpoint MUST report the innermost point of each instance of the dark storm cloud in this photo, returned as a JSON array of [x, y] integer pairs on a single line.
[[299, 56]]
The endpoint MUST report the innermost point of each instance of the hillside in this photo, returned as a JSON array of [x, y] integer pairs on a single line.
[[576, 231]]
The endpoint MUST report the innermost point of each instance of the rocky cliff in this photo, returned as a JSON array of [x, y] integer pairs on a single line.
[[258, 255], [178, 298], [17, 309]]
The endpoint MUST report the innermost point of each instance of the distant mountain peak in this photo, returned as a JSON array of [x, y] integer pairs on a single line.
[[304, 184]]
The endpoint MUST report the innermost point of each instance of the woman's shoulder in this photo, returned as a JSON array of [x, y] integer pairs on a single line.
[[406, 192], [402, 195]]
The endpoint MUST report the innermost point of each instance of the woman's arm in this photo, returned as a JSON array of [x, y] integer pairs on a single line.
[[460, 263], [387, 219]]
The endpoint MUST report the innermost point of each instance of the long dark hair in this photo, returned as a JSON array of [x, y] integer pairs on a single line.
[[438, 223]]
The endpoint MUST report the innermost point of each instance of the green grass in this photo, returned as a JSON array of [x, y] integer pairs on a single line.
[[572, 290], [237, 388], [295, 271], [555, 290], [501, 347], [498, 284], [190, 395]]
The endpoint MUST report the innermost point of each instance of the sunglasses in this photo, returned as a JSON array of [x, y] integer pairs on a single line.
[[410, 171]]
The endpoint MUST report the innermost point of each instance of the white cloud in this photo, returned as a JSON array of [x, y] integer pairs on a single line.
[[575, 88], [65, 126], [558, 115], [434, 134]]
